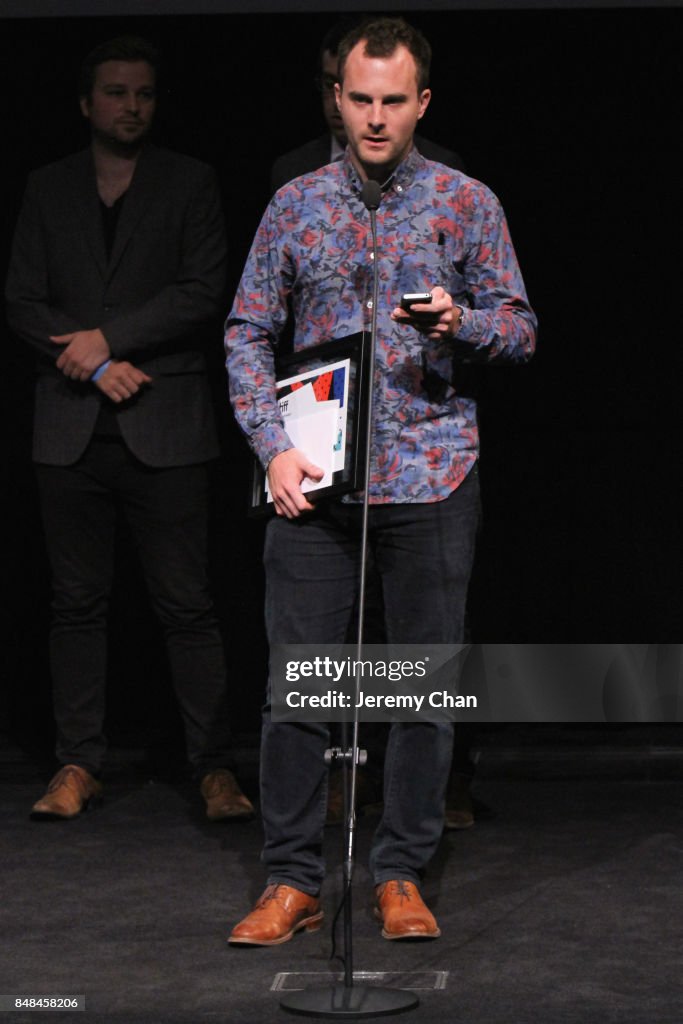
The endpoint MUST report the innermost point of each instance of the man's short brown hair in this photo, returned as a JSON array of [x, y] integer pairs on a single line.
[[382, 37], [123, 48]]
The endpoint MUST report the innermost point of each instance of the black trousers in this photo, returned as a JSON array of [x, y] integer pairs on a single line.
[[166, 510], [423, 554]]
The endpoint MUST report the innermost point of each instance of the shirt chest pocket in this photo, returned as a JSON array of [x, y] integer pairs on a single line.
[[428, 267]]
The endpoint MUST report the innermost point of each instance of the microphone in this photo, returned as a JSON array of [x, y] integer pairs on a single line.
[[371, 195]]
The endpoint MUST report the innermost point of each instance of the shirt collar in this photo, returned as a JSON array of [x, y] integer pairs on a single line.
[[402, 175], [336, 151]]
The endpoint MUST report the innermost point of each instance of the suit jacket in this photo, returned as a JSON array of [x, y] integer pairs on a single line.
[[316, 153], [153, 299]]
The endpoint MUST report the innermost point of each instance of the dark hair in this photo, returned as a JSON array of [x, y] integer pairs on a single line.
[[126, 48], [382, 36], [334, 35]]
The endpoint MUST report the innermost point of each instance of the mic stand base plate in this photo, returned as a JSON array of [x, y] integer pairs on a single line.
[[349, 1003]]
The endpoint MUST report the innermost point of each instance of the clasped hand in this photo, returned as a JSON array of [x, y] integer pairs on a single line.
[[83, 352], [121, 381]]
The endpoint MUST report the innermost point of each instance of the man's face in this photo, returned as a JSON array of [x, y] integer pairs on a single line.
[[328, 78], [380, 106], [121, 107]]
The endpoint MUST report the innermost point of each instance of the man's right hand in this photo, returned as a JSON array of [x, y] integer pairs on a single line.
[[82, 352], [121, 381], [286, 473]]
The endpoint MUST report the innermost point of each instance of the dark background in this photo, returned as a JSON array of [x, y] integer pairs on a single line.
[[573, 118]]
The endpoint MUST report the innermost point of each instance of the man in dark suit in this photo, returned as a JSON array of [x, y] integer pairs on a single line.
[[117, 271], [330, 147]]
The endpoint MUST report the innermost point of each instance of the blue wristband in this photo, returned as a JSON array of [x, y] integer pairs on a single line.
[[100, 370]]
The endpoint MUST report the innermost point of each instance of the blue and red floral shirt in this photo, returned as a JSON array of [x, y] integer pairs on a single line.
[[313, 251]]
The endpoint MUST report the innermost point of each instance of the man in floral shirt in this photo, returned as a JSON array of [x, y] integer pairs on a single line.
[[438, 231]]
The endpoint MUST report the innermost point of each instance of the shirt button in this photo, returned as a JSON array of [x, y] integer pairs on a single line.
[[369, 303]]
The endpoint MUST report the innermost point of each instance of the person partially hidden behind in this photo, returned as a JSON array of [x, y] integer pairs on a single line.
[[330, 146], [117, 270], [446, 234]]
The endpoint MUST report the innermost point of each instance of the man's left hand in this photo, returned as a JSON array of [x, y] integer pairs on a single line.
[[84, 352], [121, 381], [437, 319]]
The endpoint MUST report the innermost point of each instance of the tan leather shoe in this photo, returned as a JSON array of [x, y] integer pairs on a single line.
[[281, 911], [69, 793], [403, 913], [224, 798], [459, 807]]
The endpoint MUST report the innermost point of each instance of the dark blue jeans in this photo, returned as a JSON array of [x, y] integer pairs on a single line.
[[166, 510], [423, 554]]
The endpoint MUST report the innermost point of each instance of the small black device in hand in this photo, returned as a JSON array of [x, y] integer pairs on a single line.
[[409, 299]]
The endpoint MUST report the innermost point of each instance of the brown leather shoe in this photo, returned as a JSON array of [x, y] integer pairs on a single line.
[[459, 807], [403, 913], [69, 793], [224, 798], [279, 913]]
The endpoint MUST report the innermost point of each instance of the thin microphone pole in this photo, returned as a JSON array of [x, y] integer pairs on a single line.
[[371, 195], [348, 1001]]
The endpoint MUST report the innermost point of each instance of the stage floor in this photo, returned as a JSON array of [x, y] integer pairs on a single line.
[[562, 904]]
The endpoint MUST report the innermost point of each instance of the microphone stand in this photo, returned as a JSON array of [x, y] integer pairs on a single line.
[[348, 1001]]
